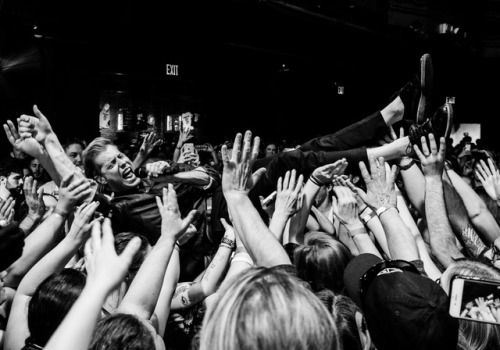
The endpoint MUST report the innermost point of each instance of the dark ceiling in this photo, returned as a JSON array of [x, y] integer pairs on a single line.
[[232, 54]]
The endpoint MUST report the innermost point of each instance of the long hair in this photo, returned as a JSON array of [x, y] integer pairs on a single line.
[[51, 302], [267, 309], [343, 310], [121, 332], [476, 335], [321, 261]]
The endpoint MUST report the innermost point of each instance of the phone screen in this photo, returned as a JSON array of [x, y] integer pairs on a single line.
[[475, 300], [467, 146]]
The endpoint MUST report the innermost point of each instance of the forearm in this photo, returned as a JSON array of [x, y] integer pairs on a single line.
[[278, 224], [216, 271], [54, 261], [162, 308], [196, 177], [430, 268], [141, 300], [139, 160], [477, 210], [36, 246], [28, 223], [61, 163], [375, 226], [260, 242], [77, 328], [442, 239], [360, 237], [399, 239], [414, 184]]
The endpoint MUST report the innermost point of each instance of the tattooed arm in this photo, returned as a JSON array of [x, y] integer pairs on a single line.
[[188, 294]]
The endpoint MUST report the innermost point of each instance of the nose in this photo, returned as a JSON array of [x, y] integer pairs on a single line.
[[78, 159], [121, 162]]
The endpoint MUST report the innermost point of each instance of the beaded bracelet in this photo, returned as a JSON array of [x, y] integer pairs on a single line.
[[228, 243]]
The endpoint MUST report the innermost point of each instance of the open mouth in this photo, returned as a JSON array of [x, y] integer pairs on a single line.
[[128, 174]]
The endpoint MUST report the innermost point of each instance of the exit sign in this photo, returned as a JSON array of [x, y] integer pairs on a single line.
[[172, 69]]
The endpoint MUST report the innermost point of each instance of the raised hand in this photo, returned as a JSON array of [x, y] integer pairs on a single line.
[[489, 177], [289, 193], [6, 211], [345, 207], [70, 194], [325, 174], [82, 223], [184, 136], [34, 200], [37, 127], [172, 225], [149, 144], [105, 269], [432, 161], [22, 145], [236, 175], [379, 182]]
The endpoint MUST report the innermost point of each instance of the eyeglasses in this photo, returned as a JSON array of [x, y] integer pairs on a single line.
[[366, 280]]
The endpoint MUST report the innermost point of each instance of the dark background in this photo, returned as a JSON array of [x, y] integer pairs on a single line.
[[62, 54]]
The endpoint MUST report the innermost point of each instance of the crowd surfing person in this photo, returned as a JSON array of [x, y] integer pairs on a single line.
[[355, 248]]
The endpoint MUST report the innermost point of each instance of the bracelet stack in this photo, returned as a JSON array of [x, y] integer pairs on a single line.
[[315, 180], [382, 210], [227, 243], [407, 166]]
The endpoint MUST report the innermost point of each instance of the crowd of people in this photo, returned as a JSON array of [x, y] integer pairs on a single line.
[[347, 241]]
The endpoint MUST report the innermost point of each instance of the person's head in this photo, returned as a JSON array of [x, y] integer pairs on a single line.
[[271, 149], [121, 332], [121, 241], [51, 302], [473, 335], [351, 326], [104, 162], [36, 169], [403, 309], [74, 150], [267, 309], [11, 178], [321, 261]]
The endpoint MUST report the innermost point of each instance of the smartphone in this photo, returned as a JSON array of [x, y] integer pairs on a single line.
[[269, 198], [188, 147], [467, 147], [475, 299]]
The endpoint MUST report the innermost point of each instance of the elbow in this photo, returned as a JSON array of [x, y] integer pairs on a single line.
[[477, 210]]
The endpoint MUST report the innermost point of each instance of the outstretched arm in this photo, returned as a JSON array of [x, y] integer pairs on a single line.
[[442, 239], [105, 271], [237, 181]]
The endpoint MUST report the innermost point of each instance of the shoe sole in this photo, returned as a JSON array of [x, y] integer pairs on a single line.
[[426, 82]]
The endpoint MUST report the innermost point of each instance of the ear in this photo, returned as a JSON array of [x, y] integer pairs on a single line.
[[3, 180], [100, 180], [364, 334]]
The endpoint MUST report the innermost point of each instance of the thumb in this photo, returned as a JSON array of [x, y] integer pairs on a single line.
[[189, 218], [257, 174], [38, 114], [130, 250]]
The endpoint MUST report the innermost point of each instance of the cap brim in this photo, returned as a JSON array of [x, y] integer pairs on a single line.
[[356, 268]]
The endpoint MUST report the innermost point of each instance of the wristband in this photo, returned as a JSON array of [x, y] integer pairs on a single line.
[[368, 217], [243, 257], [355, 226], [407, 166], [315, 180], [228, 243], [383, 209], [359, 231], [362, 212]]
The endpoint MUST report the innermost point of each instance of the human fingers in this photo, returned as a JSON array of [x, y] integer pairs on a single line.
[[425, 149], [364, 173], [432, 144], [286, 180], [257, 174], [235, 156], [96, 237], [293, 175], [247, 142]]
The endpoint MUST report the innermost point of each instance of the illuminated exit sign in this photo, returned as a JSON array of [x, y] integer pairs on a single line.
[[172, 69]]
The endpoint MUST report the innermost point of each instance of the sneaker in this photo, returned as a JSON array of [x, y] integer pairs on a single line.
[[440, 124], [416, 94]]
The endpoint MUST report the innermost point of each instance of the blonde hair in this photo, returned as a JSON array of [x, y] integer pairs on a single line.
[[267, 309], [321, 261]]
